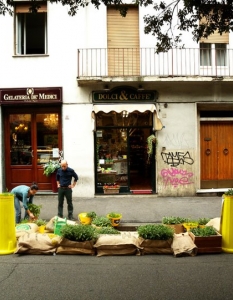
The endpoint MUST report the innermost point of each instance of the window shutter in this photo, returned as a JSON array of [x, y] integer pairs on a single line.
[[215, 38], [23, 7]]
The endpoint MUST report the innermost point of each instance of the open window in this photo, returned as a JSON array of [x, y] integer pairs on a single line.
[[30, 29]]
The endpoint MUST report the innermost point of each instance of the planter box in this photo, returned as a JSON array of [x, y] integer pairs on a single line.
[[178, 228], [208, 244], [111, 191]]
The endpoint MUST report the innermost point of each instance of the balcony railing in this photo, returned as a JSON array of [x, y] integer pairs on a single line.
[[122, 62]]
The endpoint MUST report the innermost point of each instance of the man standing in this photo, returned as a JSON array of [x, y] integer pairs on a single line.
[[65, 185]]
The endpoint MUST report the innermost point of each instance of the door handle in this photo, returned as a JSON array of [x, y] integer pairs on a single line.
[[225, 151], [207, 152]]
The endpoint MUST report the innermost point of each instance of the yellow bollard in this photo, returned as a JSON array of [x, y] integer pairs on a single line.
[[7, 224], [226, 224]]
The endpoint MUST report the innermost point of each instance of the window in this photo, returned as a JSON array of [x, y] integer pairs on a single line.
[[31, 29], [213, 54]]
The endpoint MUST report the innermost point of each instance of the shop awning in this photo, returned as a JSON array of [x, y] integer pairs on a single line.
[[121, 107]]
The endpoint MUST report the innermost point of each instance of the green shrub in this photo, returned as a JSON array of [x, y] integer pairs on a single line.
[[203, 221], [174, 220], [155, 232], [78, 233], [34, 209], [114, 215], [229, 192], [101, 221], [205, 231], [91, 214]]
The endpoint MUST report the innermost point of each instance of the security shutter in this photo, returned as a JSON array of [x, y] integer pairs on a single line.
[[123, 42], [24, 7]]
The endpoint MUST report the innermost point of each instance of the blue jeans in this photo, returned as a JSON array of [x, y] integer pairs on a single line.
[[18, 210]]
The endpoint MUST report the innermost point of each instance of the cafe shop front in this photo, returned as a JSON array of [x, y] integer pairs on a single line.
[[126, 122], [31, 120]]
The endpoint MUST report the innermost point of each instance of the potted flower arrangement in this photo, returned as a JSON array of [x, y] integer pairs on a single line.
[[207, 239], [155, 239], [50, 169], [86, 218], [112, 188], [115, 218]]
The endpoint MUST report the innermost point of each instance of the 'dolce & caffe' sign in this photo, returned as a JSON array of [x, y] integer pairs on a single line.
[[31, 95], [124, 94]]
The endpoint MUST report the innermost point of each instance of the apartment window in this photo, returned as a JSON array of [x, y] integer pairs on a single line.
[[213, 54], [31, 29]]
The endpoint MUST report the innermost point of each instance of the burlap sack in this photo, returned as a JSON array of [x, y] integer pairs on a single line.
[[183, 245], [125, 243], [155, 246], [37, 243], [215, 223], [70, 247], [23, 228]]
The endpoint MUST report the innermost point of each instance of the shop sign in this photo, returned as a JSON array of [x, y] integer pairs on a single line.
[[124, 94], [31, 95]]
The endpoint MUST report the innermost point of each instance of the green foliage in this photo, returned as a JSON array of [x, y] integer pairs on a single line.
[[229, 192], [91, 214], [155, 232], [107, 230], [40, 222], [203, 221], [35, 209], [174, 220], [114, 215], [101, 221], [50, 167], [205, 231], [78, 233]]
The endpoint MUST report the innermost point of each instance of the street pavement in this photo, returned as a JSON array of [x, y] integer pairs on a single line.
[[136, 209]]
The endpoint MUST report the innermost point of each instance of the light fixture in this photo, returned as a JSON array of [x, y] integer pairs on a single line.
[[125, 114], [165, 105], [51, 121], [140, 88], [106, 88]]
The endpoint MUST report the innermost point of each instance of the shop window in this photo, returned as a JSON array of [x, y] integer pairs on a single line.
[[31, 29]]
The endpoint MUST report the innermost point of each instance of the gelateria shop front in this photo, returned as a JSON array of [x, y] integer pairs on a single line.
[[32, 133], [125, 122]]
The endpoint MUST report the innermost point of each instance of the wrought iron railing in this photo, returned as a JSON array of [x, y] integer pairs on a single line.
[[101, 62]]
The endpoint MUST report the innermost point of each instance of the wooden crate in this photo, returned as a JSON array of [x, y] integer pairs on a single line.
[[208, 244], [111, 191]]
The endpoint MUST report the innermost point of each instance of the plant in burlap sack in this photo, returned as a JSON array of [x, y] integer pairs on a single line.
[[155, 232], [78, 233], [174, 220]]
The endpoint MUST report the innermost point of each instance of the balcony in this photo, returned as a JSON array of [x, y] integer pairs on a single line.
[[126, 64]]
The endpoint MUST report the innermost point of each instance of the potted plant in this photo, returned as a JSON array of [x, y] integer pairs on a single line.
[[35, 209], [207, 239], [175, 222], [115, 218], [202, 222], [86, 218], [101, 221], [190, 224], [111, 188], [155, 238], [50, 169], [77, 239]]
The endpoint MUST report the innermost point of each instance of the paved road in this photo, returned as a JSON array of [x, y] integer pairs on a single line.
[[137, 209]]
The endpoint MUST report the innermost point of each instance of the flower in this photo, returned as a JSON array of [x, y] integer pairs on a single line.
[[112, 186], [51, 167]]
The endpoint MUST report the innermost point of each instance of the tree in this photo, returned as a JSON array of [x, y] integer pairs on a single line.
[[169, 20]]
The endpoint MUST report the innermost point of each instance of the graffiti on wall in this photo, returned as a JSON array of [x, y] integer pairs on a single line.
[[176, 177], [175, 159]]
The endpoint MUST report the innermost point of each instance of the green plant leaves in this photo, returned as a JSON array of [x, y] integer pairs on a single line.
[[155, 232]]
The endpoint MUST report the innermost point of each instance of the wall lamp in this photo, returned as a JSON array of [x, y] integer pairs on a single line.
[[140, 88], [106, 88]]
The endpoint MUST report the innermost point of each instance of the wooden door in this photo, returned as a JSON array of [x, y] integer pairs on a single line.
[[30, 137], [216, 154]]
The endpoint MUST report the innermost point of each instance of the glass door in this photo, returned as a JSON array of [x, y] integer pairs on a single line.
[[31, 139]]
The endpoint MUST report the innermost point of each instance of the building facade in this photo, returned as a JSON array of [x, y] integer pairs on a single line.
[[100, 96]]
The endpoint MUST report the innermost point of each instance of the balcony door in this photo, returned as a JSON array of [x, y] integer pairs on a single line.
[[32, 138], [123, 42]]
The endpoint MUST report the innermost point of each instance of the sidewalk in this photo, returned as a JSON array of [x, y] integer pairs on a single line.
[[136, 209]]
